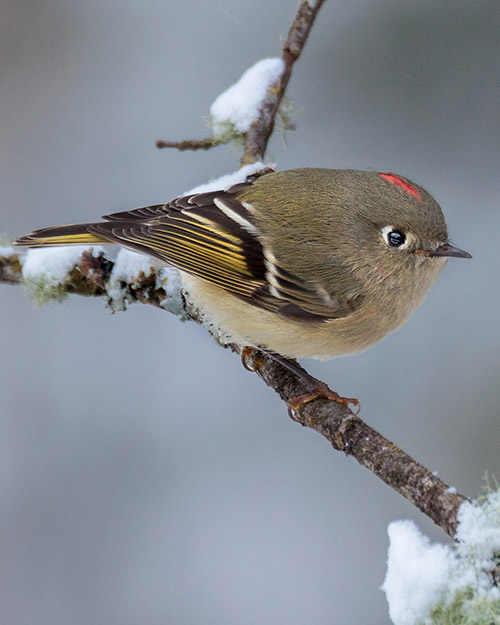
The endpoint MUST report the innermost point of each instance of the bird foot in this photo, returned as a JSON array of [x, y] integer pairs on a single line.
[[320, 389]]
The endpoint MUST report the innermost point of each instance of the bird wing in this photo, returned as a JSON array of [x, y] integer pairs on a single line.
[[214, 236]]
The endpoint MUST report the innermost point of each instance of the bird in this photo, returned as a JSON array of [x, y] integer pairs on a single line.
[[302, 263]]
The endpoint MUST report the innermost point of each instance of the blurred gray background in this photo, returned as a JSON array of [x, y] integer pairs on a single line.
[[145, 476]]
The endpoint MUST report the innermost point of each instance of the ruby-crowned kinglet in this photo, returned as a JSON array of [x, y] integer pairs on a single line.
[[305, 263]]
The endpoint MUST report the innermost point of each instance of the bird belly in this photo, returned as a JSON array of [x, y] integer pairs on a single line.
[[235, 321]]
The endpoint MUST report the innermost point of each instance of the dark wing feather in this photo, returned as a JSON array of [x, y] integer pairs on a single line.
[[214, 237]]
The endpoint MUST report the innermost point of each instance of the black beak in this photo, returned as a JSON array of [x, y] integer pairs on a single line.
[[446, 249]]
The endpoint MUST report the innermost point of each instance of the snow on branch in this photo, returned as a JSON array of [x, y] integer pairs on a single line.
[[448, 584], [246, 112], [240, 104]]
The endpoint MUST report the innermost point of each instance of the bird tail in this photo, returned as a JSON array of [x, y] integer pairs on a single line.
[[76, 234]]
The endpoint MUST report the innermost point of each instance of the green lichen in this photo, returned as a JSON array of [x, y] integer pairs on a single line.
[[490, 485], [466, 609], [286, 112], [43, 290], [225, 133], [472, 597]]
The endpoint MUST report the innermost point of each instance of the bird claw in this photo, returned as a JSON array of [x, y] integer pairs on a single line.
[[320, 389], [246, 352]]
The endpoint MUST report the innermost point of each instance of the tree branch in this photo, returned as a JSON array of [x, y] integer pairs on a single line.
[[257, 137], [191, 144], [346, 432]]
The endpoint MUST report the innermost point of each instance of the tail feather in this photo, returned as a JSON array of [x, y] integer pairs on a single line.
[[75, 234]]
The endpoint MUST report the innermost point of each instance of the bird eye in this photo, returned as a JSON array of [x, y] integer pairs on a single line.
[[393, 237], [396, 238]]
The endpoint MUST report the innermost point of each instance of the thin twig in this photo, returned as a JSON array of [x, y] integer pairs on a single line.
[[192, 144], [257, 137], [10, 269]]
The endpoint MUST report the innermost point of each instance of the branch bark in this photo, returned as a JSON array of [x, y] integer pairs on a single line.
[[190, 144], [348, 433]]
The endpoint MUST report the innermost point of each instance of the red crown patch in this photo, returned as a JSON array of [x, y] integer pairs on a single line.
[[399, 182]]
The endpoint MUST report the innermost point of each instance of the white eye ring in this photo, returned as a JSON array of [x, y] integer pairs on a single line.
[[395, 238]]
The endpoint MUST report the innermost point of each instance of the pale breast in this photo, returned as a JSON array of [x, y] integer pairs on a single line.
[[235, 321]]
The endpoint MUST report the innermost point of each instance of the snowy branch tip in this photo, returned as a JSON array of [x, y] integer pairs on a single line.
[[240, 105], [429, 584]]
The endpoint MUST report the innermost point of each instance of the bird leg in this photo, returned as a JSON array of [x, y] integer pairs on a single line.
[[318, 388]]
